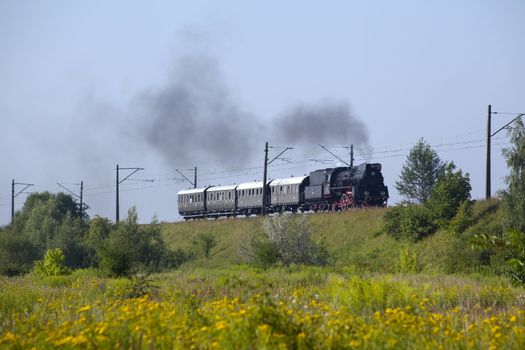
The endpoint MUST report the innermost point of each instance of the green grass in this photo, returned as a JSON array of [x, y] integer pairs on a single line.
[[354, 239]]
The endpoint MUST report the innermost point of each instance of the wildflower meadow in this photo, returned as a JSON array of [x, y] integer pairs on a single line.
[[247, 308]]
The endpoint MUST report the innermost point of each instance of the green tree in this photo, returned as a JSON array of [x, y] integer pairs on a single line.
[[420, 172], [514, 196], [46, 221], [128, 246], [17, 253], [451, 189]]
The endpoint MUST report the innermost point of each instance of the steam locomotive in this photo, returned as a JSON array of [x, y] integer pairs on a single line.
[[330, 189]]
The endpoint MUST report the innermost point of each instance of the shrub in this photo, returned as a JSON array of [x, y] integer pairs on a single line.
[[463, 218], [17, 253], [52, 264], [410, 222], [408, 260], [205, 242], [175, 258], [393, 221], [127, 245], [287, 240]]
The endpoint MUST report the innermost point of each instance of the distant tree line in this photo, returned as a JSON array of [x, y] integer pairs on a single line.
[[50, 226]]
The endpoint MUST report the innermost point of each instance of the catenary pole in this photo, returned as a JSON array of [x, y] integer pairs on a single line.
[[263, 208], [351, 155], [195, 179], [12, 200], [117, 208], [81, 194], [487, 183]]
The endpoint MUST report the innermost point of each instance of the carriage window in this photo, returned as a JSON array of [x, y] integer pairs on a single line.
[[273, 189], [229, 195], [280, 188]]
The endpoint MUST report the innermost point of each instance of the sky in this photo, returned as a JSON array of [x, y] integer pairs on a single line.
[[167, 85]]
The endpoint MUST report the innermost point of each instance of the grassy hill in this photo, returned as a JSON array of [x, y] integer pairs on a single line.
[[354, 238]]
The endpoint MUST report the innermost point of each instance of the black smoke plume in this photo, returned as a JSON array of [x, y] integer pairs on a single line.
[[328, 121], [194, 119]]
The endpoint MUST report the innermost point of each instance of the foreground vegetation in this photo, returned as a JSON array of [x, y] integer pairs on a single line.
[[280, 308]]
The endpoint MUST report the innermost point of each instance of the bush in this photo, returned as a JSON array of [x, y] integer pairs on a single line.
[[408, 260], [287, 240], [410, 222], [174, 258], [205, 242], [463, 218], [127, 245], [52, 264], [17, 253]]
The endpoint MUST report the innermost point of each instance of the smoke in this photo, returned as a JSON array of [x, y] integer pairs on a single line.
[[194, 119], [328, 121]]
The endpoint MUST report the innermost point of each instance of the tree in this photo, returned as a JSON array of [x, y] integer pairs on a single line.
[[514, 197], [420, 172], [17, 253], [128, 245], [50, 221], [451, 189]]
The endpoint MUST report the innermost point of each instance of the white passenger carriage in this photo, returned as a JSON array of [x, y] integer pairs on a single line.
[[249, 197], [221, 200], [287, 194], [192, 203]]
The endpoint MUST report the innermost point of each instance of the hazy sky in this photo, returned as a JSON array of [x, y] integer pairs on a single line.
[[169, 85]]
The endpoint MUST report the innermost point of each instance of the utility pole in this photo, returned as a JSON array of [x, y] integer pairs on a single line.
[[195, 179], [489, 135], [118, 182], [487, 183], [117, 199], [81, 195], [266, 163], [13, 196], [263, 208], [351, 155], [81, 205]]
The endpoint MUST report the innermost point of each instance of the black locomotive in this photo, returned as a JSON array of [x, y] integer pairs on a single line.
[[328, 189]]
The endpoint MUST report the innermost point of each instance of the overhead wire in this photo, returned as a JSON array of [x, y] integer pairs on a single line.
[[238, 172]]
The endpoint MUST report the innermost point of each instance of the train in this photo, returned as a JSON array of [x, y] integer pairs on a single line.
[[330, 189]]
